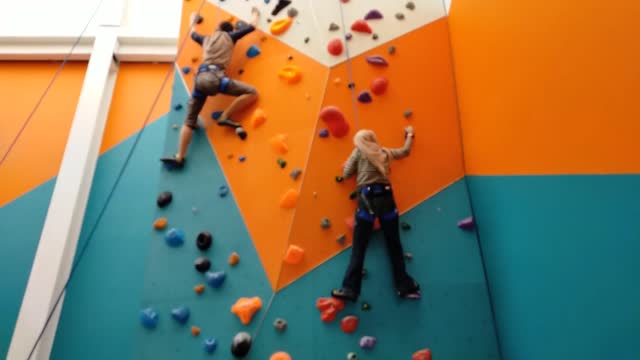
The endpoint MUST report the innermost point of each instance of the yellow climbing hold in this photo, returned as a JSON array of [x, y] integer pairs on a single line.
[[258, 118], [291, 73], [279, 27]]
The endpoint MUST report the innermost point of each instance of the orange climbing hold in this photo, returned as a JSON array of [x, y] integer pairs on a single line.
[[234, 259], [291, 73], [245, 308], [361, 26], [279, 27], [195, 331], [199, 289], [294, 255], [280, 355], [289, 199], [258, 118], [278, 143], [160, 224]]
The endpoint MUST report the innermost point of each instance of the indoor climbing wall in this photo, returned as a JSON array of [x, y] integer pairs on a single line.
[[256, 232]]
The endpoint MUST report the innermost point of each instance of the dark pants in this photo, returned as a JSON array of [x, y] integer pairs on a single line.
[[383, 206]]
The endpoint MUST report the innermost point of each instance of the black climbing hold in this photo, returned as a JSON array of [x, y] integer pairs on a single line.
[[199, 19], [339, 179], [202, 264], [164, 199], [241, 71], [405, 226], [269, 20], [282, 163], [204, 240], [400, 16], [292, 12], [334, 27], [290, 57], [242, 133], [411, 5], [241, 344], [353, 195], [374, 36], [241, 25], [280, 6], [341, 239], [325, 223], [408, 113], [280, 325], [391, 50], [306, 40], [352, 85], [178, 107]]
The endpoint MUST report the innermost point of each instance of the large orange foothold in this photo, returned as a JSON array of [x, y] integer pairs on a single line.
[[245, 308], [424, 354], [258, 118], [361, 26], [195, 331], [279, 27], [349, 324], [291, 73], [160, 224], [199, 289], [379, 86], [294, 255], [289, 199], [335, 47], [329, 308], [278, 143], [234, 259], [280, 355], [335, 120]]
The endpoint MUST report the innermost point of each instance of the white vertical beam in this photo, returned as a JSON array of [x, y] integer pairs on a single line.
[[61, 230]]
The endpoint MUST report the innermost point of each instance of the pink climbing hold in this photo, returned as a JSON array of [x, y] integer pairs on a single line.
[[373, 15], [335, 47], [365, 97], [361, 26], [377, 60], [335, 120], [467, 224], [379, 86]]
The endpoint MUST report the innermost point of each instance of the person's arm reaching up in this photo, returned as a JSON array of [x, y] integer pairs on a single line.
[[351, 165], [237, 35], [404, 151], [194, 35]]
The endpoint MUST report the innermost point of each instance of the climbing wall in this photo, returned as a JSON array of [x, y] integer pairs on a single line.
[[403, 44]]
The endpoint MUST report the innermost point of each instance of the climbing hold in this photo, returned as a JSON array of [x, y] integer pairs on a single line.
[[365, 97], [242, 158], [335, 47], [204, 240], [186, 70], [351, 85], [195, 331], [278, 143], [269, 20], [241, 25], [391, 50], [411, 5], [365, 306], [241, 71], [329, 308], [379, 86], [195, 59], [174, 237], [353, 195], [315, 195], [215, 279], [352, 356], [375, 36], [348, 36], [292, 12], [405, 226], [164, 199], [325, 223], [253, 51], [194, 210], [180, 314], [334, 27], [282, 163], [210, 345], [361, 26], [241, 344], [280, 6], [335, 120], [373, 15], [344, 1], [223, 190], [341, 239], [408, 256], [294, 255], [280, 355], [291, 73], [295, 174], [202, 264], [175, 126], [178, 107], [377, 60], [467, 224], [349, 324], [368, 342], [234, 259], [242, 134], [306, 40], [245, 308], [289, 199], [407, 114], [280, 325], [400, 16], [339, 179], [424, 354], [149, 318], [323, 133], [199, 289], [230, 156], [160, 224], [216, 115], [198, 19], [279, 27]]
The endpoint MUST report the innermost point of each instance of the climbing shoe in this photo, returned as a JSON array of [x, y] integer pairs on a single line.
[[228, 123], [344, 294], [242, 134], [172, 163], [413, 293]]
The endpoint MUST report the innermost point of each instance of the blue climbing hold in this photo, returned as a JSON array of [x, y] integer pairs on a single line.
[[174, 237], [323, 133], [149, 318], [216, 115], [186, 70], [215, 279], [267, 1], [365, 97], [178, 107], [242, 158], [181, 314], [210, 345], [253, 51], [223, 191]]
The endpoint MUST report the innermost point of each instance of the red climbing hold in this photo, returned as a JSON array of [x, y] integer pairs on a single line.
[[424, 354], [349, 324], [335, 47], [361, 26], [335, 121], [329, 308], [379, 86]]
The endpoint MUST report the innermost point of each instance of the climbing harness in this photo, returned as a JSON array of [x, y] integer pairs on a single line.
[[224, 81]]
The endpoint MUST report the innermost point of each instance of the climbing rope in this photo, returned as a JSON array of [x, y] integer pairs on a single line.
[[48, 87], [84, 248], [352, 87]]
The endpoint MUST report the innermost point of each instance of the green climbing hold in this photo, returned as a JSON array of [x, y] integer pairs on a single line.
[[352, 356], [365, 306], [282, 163], [405, 226], [339, 179], [353, 195], [408, 113]]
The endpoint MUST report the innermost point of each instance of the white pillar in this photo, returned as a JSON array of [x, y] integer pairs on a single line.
[[61, 230]]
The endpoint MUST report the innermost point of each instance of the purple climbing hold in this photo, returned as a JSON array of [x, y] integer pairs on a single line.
[[210, 345], [373, 15], [215, 279], [216, 115], [365, 97], [181, 314], [186, 70], [323, 133], [377, 60], [242, 158], [348, 36], [368, 342], [149, 318], [174, 237], [467, 224]]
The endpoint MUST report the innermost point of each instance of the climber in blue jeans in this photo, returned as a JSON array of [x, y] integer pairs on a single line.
[[371, 163]]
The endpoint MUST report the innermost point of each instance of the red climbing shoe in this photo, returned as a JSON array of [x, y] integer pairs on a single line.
[[344, 294], [172, 163]]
